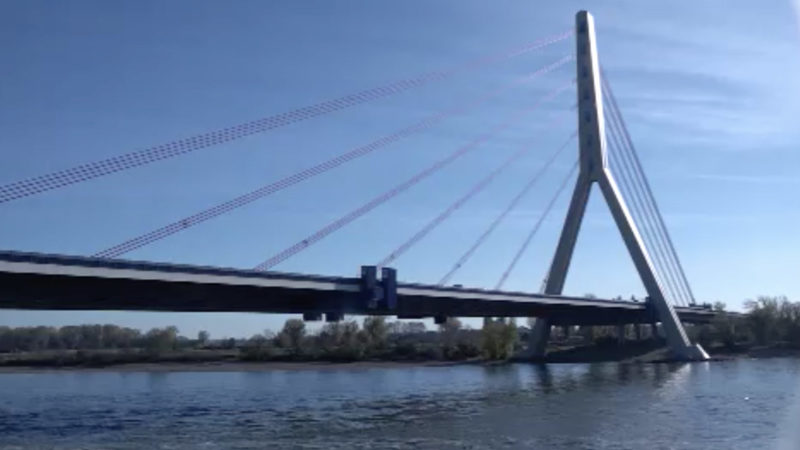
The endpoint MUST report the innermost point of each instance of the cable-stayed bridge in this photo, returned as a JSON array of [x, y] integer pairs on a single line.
[[605, 156]]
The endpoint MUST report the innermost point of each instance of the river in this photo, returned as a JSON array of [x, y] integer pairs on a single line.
[[740, 404]]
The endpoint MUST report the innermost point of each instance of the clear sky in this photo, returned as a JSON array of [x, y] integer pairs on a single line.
[[710, 91]]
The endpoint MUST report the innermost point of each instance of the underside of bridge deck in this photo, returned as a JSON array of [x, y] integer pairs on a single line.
[[53, 282]]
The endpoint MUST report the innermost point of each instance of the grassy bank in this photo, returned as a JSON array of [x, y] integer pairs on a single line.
[[106, 358], [643, 351], [196, 360]]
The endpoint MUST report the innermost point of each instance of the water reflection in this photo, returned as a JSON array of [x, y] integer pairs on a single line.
[[544, 378], [789, 433], [157, 381], [555, 406], [672, 383]]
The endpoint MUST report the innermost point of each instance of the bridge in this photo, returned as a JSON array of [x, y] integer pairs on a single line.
[[56, 282], [606, 158]]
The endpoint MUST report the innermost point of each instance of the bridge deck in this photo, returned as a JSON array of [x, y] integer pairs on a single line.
[[58, 282]]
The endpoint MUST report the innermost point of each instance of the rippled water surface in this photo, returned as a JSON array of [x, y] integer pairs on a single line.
[[743, 404]]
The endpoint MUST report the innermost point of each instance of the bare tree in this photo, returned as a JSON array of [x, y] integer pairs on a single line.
[[376, 331], [203, 337], [292, 335]]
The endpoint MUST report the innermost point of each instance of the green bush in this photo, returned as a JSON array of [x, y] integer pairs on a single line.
[[498, 338]]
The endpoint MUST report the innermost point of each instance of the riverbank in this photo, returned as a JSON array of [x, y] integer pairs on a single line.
[[230, 360], [193, 360], [235, 366]]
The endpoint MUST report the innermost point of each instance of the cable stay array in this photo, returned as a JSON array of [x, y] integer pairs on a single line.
[[126, 161], [627, 168], [499, 219], [535, 229], [318, 169], [402, 187], [405, 246]]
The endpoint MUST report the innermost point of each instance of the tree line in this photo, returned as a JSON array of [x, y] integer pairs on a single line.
[[768, 321], [373, 338], [86, 337], [377, 339]]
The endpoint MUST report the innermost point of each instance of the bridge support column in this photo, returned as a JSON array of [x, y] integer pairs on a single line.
[[594, 169], [637, 328], [540, 335], [621, 334]]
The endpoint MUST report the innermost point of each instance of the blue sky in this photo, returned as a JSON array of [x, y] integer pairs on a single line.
[[710, 92]]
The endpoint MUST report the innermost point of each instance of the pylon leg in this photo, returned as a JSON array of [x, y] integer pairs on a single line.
[[677, 340], [554, 284]]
